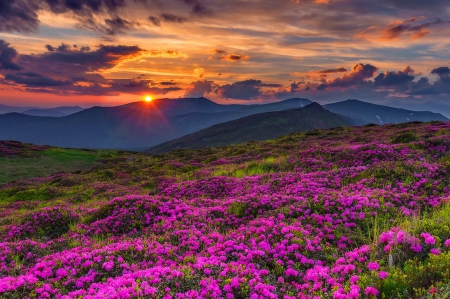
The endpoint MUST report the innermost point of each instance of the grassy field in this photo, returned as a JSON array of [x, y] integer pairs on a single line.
[[34, 164]]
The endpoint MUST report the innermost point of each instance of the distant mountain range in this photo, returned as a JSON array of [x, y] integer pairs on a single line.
[[142, 125], [34, 111], [261, 126], [132, 126]]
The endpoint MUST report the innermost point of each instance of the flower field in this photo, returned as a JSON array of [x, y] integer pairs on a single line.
[[342, 213]]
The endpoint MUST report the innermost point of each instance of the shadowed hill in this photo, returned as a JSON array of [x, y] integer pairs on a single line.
[[261, 126], [53, 112], [131, 126], [363, 113]]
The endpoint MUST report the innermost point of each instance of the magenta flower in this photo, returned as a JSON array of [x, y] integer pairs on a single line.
[[371, 291], [429, 239], [435, 251], [383, 274], [447, 243], [373, 266]]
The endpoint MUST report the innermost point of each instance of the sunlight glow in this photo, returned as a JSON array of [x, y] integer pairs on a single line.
[[148, 99]]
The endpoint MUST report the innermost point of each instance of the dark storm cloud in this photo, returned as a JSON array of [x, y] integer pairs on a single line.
[[18, 15], [8, 55], [118, 25], [198, 8], [34, 79], [167, 83], [331, 71], [200, 89], [106, 56], [155, 21], [61, 69], [244, 90], [441, 71], [171, 18], [234, 57], [394, 79], [22, 15], [358, 74], [103, 16]]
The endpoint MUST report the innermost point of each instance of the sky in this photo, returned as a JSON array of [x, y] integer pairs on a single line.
[[111, 52]]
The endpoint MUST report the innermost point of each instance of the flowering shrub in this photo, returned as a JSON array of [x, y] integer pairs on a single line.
[[342, 213], [46, 223]]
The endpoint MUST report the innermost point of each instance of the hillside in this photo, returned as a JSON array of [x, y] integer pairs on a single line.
[[348, 212], [262, 126], [363, 113], [20, 161], [53, 112], [131, 126]]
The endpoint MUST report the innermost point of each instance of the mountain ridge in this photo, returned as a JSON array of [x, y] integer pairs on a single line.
[[261, 126]]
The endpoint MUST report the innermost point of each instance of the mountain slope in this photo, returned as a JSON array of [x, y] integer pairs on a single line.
[[10, 109], [261, 126], [363, 113], [131, 126], [44, 113]]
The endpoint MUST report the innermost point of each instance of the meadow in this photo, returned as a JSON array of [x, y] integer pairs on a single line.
[[359, 212]]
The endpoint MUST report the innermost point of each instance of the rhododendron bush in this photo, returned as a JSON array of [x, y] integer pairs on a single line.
[[341, 213]]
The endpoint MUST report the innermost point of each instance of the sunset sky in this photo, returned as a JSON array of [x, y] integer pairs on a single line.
[[109, 52]]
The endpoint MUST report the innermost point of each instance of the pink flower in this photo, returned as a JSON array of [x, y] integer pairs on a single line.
[[383, 274], [435, 251], [371, 291], [373, 266], [447, 243], [354, 279], [429, 239], [416, 247]]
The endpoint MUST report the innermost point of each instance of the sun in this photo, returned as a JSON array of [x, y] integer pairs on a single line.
[[148, 99]]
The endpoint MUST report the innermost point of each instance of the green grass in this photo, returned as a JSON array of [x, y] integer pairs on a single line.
[[50, 161]]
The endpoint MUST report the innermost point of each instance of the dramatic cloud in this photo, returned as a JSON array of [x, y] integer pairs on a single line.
[[234, 57], [441, 71], [171, 18], [222, 55], [358, 74], [18, 15], [199, 89], [244, 90], [413, 28], [106, 56], [8, 55], [394, 79], [155, 21], [103, 16], [33, 79], [73, 70], [198, 8], [331, 71]]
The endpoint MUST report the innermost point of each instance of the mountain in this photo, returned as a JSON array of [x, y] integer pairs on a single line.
[[363, 113], [260, 126], [44, 112], [132, 126], [10, 109], [54, 112]]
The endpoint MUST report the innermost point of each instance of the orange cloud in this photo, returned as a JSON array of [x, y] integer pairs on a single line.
[[235, 57], [413, 28], [167, 54]]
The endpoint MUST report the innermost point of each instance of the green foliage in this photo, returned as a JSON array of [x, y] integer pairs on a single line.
[[416, 277], [239, 209], [387, 172], [50, 161], [405, 137]]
